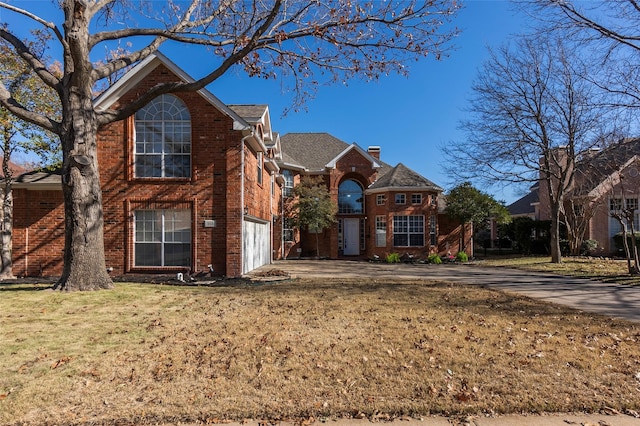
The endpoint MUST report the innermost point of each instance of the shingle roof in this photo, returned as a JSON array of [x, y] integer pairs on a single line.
[[403, 177], [39, 179], [524, 206], [312, 150], [251, 113], [596, 166]]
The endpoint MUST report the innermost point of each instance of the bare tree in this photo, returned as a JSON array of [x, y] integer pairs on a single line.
[[302, 41], [611, 30], [531, 112]]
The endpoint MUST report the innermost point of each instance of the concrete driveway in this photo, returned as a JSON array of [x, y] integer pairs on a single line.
[[616, 301]]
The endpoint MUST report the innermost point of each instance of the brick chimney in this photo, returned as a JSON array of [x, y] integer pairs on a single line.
[[374, 151]]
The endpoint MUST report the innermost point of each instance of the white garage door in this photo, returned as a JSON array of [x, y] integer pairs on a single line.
[[256, 247]]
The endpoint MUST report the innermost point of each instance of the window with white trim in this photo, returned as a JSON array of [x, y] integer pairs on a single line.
[[350, 197], [260, 159], [287, 229], [287, 189], [163, 139], [381, 199], [381, 231], [162, 237], [408, 231], [401, 199], [432, 230], [416, 198]]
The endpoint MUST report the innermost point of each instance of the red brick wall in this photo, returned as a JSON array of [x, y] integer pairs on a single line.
[[388, 210], [38, 233], [212, 191]]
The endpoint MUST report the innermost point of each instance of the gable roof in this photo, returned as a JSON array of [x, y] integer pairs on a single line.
[[256, 114], [136, 74], [525, 205], [403, 178], [315, 152], [598, 171], [312, 151], [39, 180]]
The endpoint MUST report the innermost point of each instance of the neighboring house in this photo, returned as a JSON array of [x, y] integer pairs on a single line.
[[603, 178], [381, 209], [190, 183]]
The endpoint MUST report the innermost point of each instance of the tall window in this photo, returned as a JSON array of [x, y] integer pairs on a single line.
[[350, 198], [287, 229], [408, 231], [162, 237], [432, 230], [381, 231], [163, 139], [287, 190], [260, 160]]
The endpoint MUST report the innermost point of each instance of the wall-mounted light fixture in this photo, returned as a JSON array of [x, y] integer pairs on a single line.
[[246, 210]]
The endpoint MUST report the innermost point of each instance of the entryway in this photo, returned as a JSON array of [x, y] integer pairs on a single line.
[[351, 237]]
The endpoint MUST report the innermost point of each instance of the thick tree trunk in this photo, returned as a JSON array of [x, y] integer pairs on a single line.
[[556, 253], [84, 261]]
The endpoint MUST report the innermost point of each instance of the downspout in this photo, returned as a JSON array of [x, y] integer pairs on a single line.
[[282, 249]]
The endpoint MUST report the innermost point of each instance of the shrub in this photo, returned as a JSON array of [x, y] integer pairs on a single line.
[[393, 258], [589, 246], [462, 257], [434, 258]]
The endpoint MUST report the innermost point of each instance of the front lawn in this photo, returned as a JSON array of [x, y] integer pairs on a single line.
[[146, 353], [602, 269]]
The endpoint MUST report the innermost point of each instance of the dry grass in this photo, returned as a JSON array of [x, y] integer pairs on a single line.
[[602, 269], [300, 349]]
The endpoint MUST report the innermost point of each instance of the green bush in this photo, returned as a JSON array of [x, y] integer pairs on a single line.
[[617, 239], [393, 258], [589, 246], [434, 258], [462, 257]]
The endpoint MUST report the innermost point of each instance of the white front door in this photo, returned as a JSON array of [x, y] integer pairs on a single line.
[[351, 237]]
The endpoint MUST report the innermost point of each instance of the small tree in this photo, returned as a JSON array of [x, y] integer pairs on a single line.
[[313, 209], [470, 205], [17, 135]]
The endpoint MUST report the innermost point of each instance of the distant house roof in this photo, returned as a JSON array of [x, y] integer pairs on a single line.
[[525, 205], [15, 169], [39, 180], [402, 177], [597, 166]]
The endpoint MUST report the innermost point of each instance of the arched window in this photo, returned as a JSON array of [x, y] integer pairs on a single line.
[[350, 197], [163, 139]]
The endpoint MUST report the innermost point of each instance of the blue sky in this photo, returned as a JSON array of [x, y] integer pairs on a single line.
[[411, 119]]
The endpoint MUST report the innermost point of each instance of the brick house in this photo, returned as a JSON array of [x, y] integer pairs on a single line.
[[187, 182], [381, 209], [604, 180], [191, 183]]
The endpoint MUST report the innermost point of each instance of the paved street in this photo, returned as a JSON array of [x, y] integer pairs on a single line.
[[613, 300]]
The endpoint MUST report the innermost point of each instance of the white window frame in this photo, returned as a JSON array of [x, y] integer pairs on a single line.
[[381, 199], [159, 227], [153, 134], [409, 226], [287, 188], [381, 231], [260, 161], [401, 199], [417, 197]]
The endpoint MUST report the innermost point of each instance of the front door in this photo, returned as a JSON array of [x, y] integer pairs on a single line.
[[351, 237]]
